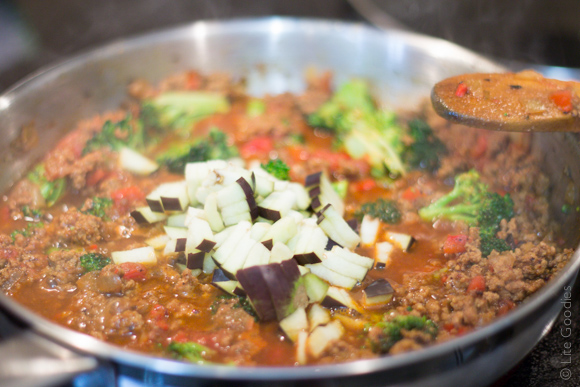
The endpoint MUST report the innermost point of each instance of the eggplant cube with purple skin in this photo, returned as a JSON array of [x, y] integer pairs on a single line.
[[275, 290]]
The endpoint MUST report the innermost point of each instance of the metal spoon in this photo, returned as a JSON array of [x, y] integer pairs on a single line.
[[524, 101]]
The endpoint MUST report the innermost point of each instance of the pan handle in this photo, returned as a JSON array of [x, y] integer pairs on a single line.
[[29, 360]]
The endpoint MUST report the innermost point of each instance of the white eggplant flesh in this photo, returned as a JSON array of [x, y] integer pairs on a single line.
[[280, 252], [239, 256], [369, 229], [317, 315], [336, 296], [177, 220], [258, 255], [301, 348], [194, 212], [279, 202], [322, 337], [208, 264], [158, 242], [144, 215], [403, 241], [259, 229], [302, 197], [383, 252], [295, 323], [136, 163], [331, 276], [175, 232], [355, 258], [338, 229], [338, 264], [240, 232], [144, 255], [212, 214], [281, 231]]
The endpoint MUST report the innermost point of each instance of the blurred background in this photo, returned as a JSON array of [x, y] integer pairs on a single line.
[[520, 34], [34, 33]]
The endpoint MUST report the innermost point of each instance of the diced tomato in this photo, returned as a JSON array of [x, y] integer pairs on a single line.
[[411, 193], [193, 81], [444, 279], [158, 316], [259, 147], [477, 284], [134, 271], [448, 326], [127, 196], [462, 330], [455, 244], [461, 90], [364, 185], [505, 306], [480, 147], [94, 177], [93, 247], [562, 99]]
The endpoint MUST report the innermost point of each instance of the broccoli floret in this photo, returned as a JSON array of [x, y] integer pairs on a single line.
[[181, 109], [99, 207], [51, 191], [94, 261], [214, 147], [341, 188], [191, 351], [26, 232], [33, 213], [278, 169], [116, 135], [471, 201], [255, 107], [385, 210], [364, 130], [426, 148], [391, 331]]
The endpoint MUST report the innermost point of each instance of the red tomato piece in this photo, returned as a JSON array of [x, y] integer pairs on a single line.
[[259, 147], [562, 99], [158, 316], [477, 284], [134, 271], [455, 244], [461, 89], [364, 185], [127, 195], [411, 193]]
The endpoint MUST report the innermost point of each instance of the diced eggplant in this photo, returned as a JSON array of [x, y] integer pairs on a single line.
[[249, 193], [222, 236], [227, 286], [331, 276], [378, 292], [234, 209], [169, 197], [252, 281], [339, 298], [208, 264], [180, 245], [177, 220], [219, 276], [280, 252], [230, 194], [322, 193], [259, 229], [175, 232], [355, 258], [383, 253], [193, 212], [295, 323], [303, 270], [281, 231], [337, 229], [200, 236], [286, 288], [195, 260], [404, 241], [144, 215], [170, 247], [264, 186], [136, 163], [276, 205], [158, 242], [145, 255], [258, 255], [301, 348], [196, 172], [323, 336], [369, 229], [308, 244], [340, 265], [302, 198], [316, 288], [238, 257], [268, 244], [317, 316], [213, 216], [230, 244]]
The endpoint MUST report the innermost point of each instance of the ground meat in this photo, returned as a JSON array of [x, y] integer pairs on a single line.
[[25, 193], [75, 227], [64, 268], [230, 315], [343, 351]]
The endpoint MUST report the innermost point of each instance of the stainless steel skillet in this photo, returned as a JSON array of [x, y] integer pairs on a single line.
[[273, 53]]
